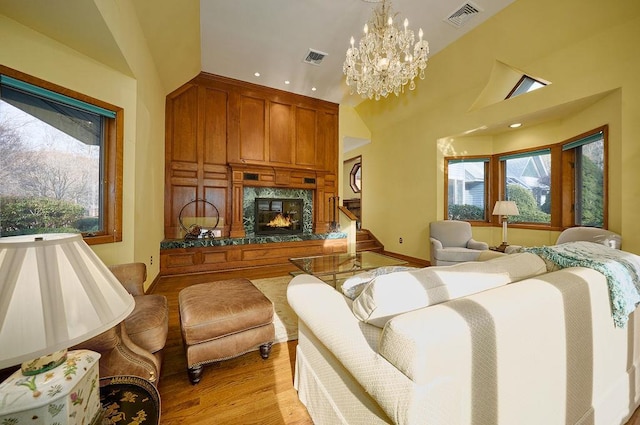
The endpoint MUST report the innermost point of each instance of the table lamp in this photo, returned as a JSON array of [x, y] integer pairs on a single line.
[[54, 293], [505, 209]]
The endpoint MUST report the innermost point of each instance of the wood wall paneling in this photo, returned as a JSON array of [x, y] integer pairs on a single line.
[[215, 126], [307, 138], [327, 150], [252, 129], [184, 120], [207, 259], [281, 121]]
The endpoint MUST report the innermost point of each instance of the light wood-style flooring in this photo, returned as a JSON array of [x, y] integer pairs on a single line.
[[241, 391], [244, 390]]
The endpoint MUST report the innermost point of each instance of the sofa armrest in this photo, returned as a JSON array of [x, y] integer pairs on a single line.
[[435, 244], [474, 244], [327, 314], [132, 276]]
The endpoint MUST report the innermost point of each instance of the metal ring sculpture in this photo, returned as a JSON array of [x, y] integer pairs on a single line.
[[194, 231]]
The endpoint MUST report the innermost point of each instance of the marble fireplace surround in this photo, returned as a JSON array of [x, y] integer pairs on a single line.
[[251, 193]]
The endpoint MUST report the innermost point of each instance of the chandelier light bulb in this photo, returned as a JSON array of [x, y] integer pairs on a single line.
[[386, 58]]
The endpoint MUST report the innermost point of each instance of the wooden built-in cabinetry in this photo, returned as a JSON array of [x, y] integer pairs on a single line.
[[220, 130]]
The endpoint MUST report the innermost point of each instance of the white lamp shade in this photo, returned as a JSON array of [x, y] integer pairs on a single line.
[[505, 208], [54, 293]]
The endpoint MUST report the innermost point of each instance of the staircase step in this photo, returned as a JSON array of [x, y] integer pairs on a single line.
[[366, 241]]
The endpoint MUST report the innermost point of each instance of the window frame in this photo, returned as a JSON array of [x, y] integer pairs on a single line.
[[353, 177], [487, 159], [515, 90], [500, 161], [569, 185], [112, 158], [562, 182]]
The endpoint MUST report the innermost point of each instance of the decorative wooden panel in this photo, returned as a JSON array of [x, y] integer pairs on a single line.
[[215, 126], [180, 196], [327, 148], [252, 130], [280, 133], [184, 126], [216, 258], [306, 137]]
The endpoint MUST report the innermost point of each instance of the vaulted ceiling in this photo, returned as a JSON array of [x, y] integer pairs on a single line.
[[238, 38]]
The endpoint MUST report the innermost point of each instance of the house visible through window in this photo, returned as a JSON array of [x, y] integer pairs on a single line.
[[56, 171], [527, 181], [467, 185]]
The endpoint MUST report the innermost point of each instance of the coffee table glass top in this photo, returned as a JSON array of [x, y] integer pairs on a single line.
[[324, 265]]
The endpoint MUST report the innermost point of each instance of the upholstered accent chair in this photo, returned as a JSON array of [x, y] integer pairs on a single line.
[[134, 346], [591, 234], [452, 243]]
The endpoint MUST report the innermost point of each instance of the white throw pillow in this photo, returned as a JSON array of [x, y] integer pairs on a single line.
[[353, 286], [396, 293]]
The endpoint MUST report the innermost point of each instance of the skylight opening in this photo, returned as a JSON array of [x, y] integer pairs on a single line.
[[526, 84]]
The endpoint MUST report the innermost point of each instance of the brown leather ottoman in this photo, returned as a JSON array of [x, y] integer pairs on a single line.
[[222, 320]]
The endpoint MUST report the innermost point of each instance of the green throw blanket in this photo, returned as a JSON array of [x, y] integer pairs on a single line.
[[620, 268]]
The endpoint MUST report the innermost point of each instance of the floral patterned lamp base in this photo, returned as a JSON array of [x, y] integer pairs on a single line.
[[67, 394]]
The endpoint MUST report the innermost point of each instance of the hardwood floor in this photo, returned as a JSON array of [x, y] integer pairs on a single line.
[[244, 390]]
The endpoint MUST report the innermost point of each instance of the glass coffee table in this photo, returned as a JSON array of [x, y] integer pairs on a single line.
[[336, 264]]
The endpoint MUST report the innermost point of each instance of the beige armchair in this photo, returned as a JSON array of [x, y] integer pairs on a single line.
[[591, 234], [134, 347], [452, 243]]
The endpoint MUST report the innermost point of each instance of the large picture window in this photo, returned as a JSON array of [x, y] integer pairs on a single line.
[[527, 182], [554, 186], [467, 188], [59, 161], [585, 159]]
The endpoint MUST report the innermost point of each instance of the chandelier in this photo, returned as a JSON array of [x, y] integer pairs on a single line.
[[385, 59]]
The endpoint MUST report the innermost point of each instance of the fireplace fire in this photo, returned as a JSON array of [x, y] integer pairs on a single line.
[[278, 216]]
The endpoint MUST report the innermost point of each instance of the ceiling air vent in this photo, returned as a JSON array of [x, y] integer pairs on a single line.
[[465, 12], [315, 57]]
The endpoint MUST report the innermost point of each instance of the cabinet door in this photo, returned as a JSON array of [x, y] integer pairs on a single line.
[[215, 126], [280, 133], [252, 128], [306, 137], [327, 149]]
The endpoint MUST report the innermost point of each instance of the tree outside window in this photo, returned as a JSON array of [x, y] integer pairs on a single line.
[[54, 172]]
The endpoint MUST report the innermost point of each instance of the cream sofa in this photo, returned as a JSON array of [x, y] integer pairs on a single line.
[[534, 348]]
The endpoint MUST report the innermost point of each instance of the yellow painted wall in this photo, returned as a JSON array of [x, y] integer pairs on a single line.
[[142, 98], [593, 68], [351, 125]]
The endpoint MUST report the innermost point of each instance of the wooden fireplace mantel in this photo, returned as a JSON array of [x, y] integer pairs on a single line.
[[243, 175]]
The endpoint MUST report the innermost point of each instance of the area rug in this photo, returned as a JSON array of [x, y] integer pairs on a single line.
[[285, 320]]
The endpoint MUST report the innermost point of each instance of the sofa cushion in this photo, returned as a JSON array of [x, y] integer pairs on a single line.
[[457, 254], [148, 323], [396, 293]]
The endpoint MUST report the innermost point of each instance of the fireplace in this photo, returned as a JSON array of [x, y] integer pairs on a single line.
[[278, 216]]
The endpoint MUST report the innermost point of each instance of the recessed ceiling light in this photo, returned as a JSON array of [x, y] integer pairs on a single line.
[[287, 82], [515, 125], [313, 89], [257, 74]]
